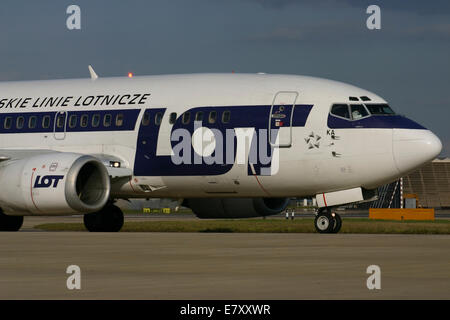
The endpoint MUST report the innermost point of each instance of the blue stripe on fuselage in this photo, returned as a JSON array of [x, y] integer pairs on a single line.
[[128, 123], [147, 163]]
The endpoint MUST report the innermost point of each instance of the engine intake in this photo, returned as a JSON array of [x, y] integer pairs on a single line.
[[87, 185]]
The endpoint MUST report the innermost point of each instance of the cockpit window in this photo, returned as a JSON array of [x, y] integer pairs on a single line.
[[382, 109], [358, 111], [340, 110]]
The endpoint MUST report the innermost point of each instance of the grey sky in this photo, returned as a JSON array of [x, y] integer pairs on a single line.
[[406, 62]]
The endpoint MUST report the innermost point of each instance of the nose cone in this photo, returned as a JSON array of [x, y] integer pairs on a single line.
[[414, 147]]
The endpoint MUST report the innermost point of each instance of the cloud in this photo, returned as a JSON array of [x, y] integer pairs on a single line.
[[344, 21], [346, 31], [433, 30], [311, 32], [415, 6]]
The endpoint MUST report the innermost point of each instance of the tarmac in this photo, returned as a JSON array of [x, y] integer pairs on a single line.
[[194, 266]]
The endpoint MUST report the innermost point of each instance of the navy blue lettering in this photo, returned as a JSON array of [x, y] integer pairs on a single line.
[[47, 181], [126, 95]]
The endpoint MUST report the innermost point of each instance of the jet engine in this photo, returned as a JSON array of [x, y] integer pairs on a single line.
[[213, 208], [53, 184]]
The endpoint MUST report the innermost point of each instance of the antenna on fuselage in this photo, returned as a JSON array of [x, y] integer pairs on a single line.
[[94, 76]]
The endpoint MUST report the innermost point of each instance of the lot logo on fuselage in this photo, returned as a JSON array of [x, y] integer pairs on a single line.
[[47, 181]]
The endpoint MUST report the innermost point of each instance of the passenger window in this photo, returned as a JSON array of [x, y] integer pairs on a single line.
[[84, 120], [20, 122], [60, 120], [73, 121], [358, 111], [199, 116], [119, 120], [32, 122], [212, 117], [96, 120], [146, 119], [186, 117], [158, 118], [46, 122], [173, 118], [340, 110], [107, 119], [8, 123], [226, 117]]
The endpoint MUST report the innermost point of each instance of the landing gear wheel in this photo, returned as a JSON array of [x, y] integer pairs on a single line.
[[337, 223], [324, 222], [109, 219], [10, 223]]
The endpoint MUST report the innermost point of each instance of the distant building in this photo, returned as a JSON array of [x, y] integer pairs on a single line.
[[427, 187], [431, 184]]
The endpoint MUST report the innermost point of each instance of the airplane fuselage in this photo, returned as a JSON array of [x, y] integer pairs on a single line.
[[216, 135]]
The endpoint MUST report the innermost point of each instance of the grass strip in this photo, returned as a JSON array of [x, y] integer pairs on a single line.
[[302, 225]]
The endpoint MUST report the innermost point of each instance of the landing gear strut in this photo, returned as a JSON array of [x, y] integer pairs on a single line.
[[10, 223], [327, 221], [109, 219]]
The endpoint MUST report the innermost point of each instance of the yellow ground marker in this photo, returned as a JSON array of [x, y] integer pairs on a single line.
[[401, 214]]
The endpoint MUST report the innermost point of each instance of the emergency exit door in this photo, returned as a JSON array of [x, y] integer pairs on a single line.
[[59, 125], [280, 122]]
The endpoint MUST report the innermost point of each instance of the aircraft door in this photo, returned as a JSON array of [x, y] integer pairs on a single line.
[[280, 122], [59, 125]]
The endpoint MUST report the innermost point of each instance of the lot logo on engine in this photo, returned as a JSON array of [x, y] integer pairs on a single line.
[[47, 181]]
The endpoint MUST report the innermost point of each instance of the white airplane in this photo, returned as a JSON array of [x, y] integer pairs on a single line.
[[226, 145]]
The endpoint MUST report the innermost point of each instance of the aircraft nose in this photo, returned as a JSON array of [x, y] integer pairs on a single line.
[[412, 148]]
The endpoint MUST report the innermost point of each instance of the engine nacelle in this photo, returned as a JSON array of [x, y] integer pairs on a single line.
[[213, 208], [54, 184]]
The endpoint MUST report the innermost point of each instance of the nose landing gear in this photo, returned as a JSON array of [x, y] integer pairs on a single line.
[[327, 221]]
